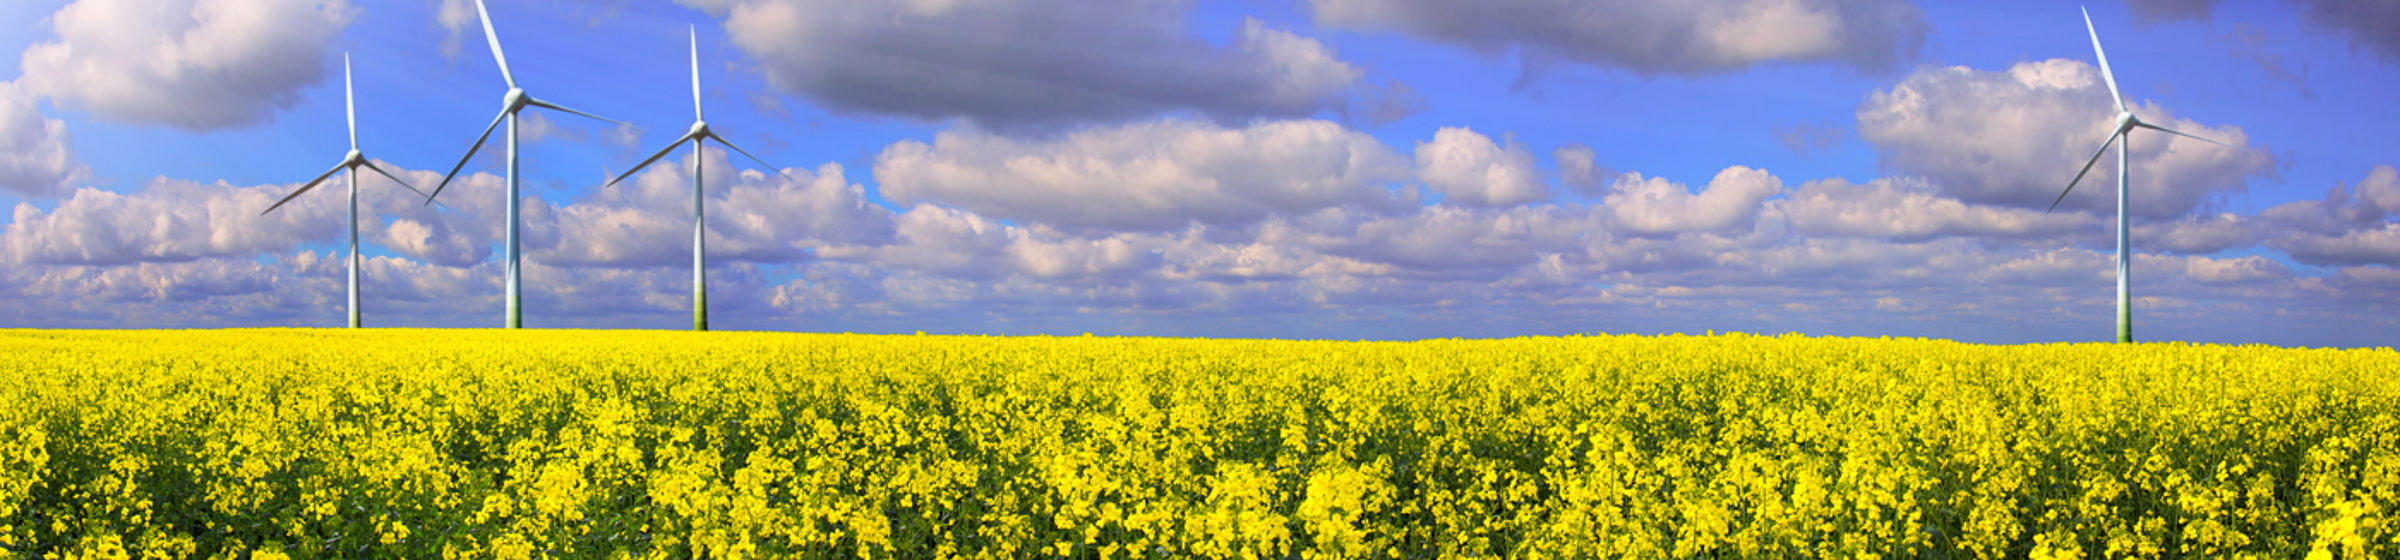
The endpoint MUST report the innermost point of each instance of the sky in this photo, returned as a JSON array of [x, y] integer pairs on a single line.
[[1318, 169]]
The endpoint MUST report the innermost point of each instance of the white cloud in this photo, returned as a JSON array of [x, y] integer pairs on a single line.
[[1029, 63], [1655, 36], [1472, 170], [193, 64], [2375, 245], [35, 159], [170, 221], [753, 216], [1159, 175], [455, 17], [2239, 270], [1652, 206], [2015, 138], [2351, 226], [1908, 210]]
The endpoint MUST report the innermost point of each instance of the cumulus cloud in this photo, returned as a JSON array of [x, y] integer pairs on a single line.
[[1473, 170], [1452, 242], [753, 216], [2238, 270], [2015, 138], [2353, 224], [193, 64], [2371, 245], [35, 159], [173, 220], [1146, 176], [1908, 210], [1652, 206], [811, 252], [1029, 63], [2196, 235], [1654, 37], [170, 221]]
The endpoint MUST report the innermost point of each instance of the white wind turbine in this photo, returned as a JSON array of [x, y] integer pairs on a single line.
[[515, 100], [2122, 136], [699, 134], [351, 161]]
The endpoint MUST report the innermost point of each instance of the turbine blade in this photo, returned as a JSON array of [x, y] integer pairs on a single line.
[[462, 161], [555, 106], [2179, 133], [662, 152], [2105, 74], [746, 153], [2087, 168], [395, 178], [696, 74], [350, 99], [312, 183], [493, 38]]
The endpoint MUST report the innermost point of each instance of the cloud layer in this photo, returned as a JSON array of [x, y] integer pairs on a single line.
[[811, 251], [1676, 37], [1016, 64]]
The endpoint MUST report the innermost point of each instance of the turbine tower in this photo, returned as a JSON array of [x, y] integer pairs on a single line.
[[2122, 136], [351, 161], [516, 99], [699, 134]]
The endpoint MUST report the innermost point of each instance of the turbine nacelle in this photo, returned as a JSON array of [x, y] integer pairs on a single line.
[[354, 158], [699, 130], [2126, 121], [515, 99]]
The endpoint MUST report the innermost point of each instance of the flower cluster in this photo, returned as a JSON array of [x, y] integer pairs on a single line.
[[498, 444]]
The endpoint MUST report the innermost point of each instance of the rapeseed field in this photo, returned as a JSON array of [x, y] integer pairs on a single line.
[[580, 444]]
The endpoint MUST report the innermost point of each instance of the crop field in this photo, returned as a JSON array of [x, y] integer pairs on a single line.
[[476, 444]]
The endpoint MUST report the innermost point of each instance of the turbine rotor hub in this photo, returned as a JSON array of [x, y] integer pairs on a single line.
[[354, 158], [2126, 121], [699, 129], [516, 98]]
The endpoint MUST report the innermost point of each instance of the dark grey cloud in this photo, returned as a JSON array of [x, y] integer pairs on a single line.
[[1652, 37], [2373, 25], [1031, 63], [2159, 11]]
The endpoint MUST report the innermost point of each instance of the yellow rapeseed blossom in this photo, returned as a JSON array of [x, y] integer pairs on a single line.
[[579, 444]]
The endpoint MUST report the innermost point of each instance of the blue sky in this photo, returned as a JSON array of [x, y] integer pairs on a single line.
[[1295, 169]]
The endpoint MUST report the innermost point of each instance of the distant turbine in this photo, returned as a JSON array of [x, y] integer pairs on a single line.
[[699, 134], [515, 100], [352, 162], [2126, 122]]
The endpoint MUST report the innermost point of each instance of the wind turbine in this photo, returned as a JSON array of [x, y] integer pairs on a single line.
[[515, 100], [2122, 135], [351, 161], [699, 134]]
